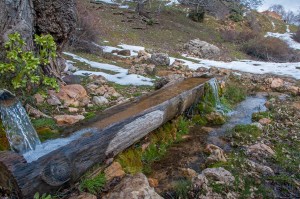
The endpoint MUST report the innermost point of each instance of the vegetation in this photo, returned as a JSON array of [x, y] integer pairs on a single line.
[[296, 36], [44, 196], [260, 115], [24, 69], [244, 134], [233, 94], [93, 185], [182, 188]]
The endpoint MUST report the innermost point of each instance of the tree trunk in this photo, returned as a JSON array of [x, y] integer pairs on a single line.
[[29, 17]]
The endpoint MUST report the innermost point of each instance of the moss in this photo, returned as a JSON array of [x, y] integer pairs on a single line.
[[46, 133], [94, 185], [44, 122], [234, 93], [182, 188], [4, 144], [260, 115], [131, 160], [244, 134]]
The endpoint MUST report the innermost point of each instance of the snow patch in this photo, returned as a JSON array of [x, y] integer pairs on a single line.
[[286, 37]]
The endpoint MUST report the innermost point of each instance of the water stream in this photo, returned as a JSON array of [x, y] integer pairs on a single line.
[[20, 133]]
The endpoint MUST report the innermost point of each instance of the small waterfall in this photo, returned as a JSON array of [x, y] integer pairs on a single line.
[[19, 130], [215, 91]]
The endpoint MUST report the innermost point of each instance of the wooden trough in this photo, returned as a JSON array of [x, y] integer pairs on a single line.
[[111, 132]]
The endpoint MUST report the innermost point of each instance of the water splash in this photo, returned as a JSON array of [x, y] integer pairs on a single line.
[[20, 133], [214, 86]]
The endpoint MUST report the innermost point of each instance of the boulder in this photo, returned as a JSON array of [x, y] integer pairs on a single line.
[[67, 119], [133, 187], [53, 99], [216, 154], [260, 149], [72, 79], [276, 83], [143, 69], [215, 118], [100, 100], [160, 59], [259, 168], [201, 49], [115, 170], [124, 52], [220, 175]]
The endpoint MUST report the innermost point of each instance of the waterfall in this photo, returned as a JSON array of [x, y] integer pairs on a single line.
[[214, 85], [20, 133]]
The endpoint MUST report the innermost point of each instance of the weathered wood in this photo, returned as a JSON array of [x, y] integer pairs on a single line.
[[108, 134]]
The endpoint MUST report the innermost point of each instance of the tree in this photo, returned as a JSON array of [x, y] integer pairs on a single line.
[[251, 4], [29, 17]]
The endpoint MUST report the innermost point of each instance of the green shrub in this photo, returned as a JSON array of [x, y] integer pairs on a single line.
[[24, 69], [94, 185], [197, 16], [236, 17]]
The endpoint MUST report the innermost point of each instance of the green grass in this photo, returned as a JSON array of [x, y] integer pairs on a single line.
[[234, 93], [44, 122], [93, 185], [131, 160], [260, 115], [182, 188], [244, 134]]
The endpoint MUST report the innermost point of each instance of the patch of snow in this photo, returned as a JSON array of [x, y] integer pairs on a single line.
[[107, 1], [105, 41], [121, 77], [286, 37], [131, 47], [255, 67], [288, 28], [173, 2]]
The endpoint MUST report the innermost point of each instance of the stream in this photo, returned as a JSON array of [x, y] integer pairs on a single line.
[[190, 152]]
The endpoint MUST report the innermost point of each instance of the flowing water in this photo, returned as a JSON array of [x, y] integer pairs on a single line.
[[20, 133]]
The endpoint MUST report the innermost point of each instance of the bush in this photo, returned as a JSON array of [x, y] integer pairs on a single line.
[[270, 49], [238, 37], [296, 36], [197, 16]]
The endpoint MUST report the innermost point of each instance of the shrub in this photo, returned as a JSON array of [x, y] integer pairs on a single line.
[[93, 185], [269, 49], [238, 37], [197, 16], [296, 36], [24, 69]]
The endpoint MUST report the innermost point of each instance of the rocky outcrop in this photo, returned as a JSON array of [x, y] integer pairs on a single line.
[[160, 59], [67, 119], [201, 49], [133, 187], [115, 170], [143, 69], [220, 175]]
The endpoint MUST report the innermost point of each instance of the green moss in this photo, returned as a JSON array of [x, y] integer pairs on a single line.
[[244, 134], [44, 122], [182, 188], [260, 115], [4, 144], [46, 133], [234, 93], [94, 185], [131, 160]]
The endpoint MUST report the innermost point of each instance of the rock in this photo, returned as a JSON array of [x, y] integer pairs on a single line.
[[73, 95], [188, 173], [153, 182], [206, 129], [124, 52], [133, 187], [215, 118], [100, 100], [262, 169], [160, 59], [84, 195], [265, 121], [113, 171], [296, 105], [260, 149], [35, 112], [216, 154], [258, 125], [38, 98], [293, 89], [219, 174], [73, 110], [52, 99], [276, 83], [72, 79], [178, 64], [201, 49], [143, 56], [143, 69], [67, 119]]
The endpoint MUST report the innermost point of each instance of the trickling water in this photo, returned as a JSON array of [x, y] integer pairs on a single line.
[[20, 133], [214, 85]]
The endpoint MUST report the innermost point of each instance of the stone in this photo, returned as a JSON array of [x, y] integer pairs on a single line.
[[265, 121], [262, 169], [73, 95], [38, 98], [294, 89], [100, 91], [52, 99], [133, 187], [35, 112], [72, 79], [160, 59], [260, 149], [143, 69], [115, 170], [67, 119], [178, 64], [153, 182], [84, 195], [216, 154], [206, 129], [215, 118], [276, 83], [188, 173], [73, 110], [124, 52], [100, 100], [201, 49], [219, 174], [258, 125]]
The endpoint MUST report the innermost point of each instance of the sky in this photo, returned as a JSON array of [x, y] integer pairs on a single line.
[[292, 5]]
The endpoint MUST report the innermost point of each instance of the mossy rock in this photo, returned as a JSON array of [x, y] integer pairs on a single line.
[[215, 118]]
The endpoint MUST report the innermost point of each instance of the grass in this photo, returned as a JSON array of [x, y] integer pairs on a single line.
[[260, 115], [182, 188], [131, 160], [244, 134], [46, 128], [93, 185], [234, 93]]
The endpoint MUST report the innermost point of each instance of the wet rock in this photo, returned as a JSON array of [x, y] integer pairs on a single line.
[[277, 83], [265, 121], [131, 187], [113, 171], [220, 175], [72, 79], [84, 195], [188, 173], [160, 59], [153, 182], [124, 52], [73, 95], [100, 100], [216, 154], [201, 49], [262, 169], [67, 119], [215, 118]]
